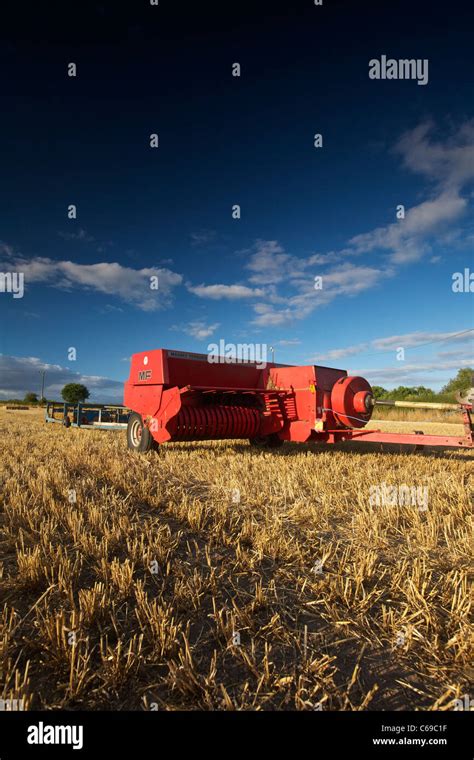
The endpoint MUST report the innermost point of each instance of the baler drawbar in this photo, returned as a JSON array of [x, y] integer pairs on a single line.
[[181, 396]]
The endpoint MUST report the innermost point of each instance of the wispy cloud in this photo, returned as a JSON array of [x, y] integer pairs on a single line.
[[448, 166], [409, 340], [455, 353], [198, 329], [407, 240], [340, 353], [270, 264], [347, 279], [79, 234], [203, 237], [110, 309], [415, 373], [82, 236], [219, 292], [392, 342], [130, 285], [289, 342]]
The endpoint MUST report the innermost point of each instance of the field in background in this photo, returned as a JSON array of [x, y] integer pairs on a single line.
[[416, 415], [409, 426], [217, 576]]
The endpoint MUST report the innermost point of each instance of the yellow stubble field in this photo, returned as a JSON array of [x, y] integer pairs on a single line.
[[214, 575]]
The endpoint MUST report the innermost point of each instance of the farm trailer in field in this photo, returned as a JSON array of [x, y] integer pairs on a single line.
[[181, 396], [101, 416]]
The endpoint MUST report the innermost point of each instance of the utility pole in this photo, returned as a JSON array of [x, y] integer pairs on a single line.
[[42, 373]]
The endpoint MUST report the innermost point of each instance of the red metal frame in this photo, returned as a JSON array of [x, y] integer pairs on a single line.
[[182, 396]]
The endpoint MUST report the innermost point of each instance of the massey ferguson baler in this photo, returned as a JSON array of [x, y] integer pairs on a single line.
[[180, 396]]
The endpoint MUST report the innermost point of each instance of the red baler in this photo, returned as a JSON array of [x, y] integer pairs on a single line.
[[181, 396]]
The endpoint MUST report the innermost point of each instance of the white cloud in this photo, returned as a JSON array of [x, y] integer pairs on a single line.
[[448, 163], [268, 316], [407, 341], [269, 263], [420, 373], [420, 338], [449, 166], [272, 265], [347, 279], [406, 239], [230, 292], [339, 353], [203, 237], [457, 352], [198, 329], [131, 285]]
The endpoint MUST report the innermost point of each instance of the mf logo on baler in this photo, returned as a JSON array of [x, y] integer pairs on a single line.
[[145, 374]]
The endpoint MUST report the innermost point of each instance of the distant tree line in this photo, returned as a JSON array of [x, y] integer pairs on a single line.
[[74, 393], [29, 398], [462, 382]]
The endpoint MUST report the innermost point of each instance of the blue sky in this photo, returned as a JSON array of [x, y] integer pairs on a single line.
[[224, 140]]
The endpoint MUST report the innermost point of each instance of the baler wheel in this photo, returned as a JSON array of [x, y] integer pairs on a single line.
[[139, 437], [272, 441]]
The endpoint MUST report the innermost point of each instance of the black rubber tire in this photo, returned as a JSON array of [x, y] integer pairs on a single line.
[[139, 437], [272, 441]]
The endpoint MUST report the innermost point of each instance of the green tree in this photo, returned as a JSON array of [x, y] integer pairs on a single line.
[[463, 381], [73, 393], [401, 393], [379, 392], [421, 393], [31, 398]]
